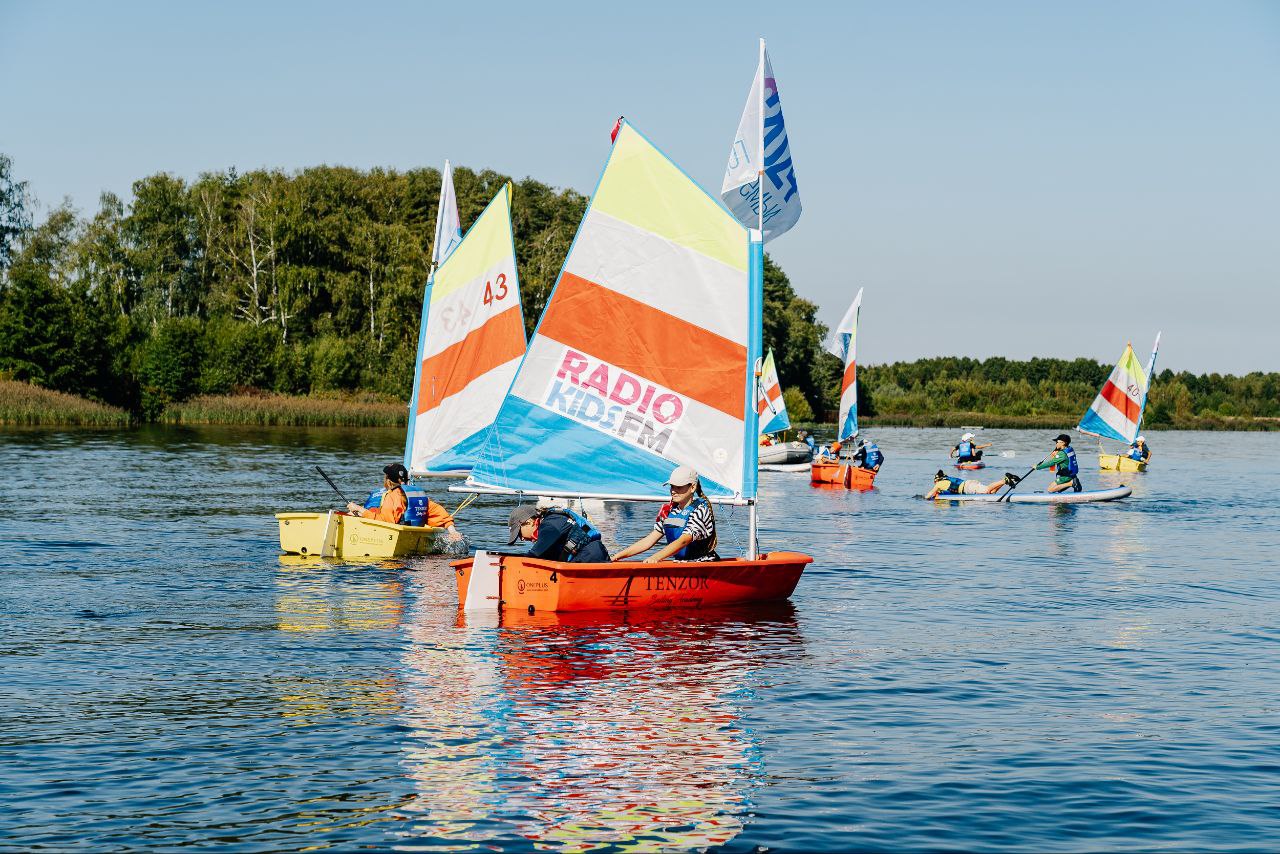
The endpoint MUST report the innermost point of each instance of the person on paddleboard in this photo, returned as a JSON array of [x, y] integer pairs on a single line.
[[1139, 450], [968, 451], [557, 533], [393, 504], [1065, 467], [687, 522], [868, 456], [944, 484]]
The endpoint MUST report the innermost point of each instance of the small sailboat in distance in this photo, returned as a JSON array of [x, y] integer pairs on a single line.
[[771, 409], [644, 359], [1116, 413], [843, 344]]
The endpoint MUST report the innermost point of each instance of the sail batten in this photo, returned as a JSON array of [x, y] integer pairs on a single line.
[[470, 342], [628, 372]]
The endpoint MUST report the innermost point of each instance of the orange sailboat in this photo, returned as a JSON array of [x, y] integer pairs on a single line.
[[826, 471], [645, 358]]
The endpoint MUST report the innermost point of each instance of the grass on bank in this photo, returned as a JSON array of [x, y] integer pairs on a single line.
[[283, 410], [23, 404]]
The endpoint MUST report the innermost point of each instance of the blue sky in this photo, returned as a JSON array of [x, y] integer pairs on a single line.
[[1011, 179]]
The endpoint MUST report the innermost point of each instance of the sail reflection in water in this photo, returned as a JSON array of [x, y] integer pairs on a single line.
[[577, 731]]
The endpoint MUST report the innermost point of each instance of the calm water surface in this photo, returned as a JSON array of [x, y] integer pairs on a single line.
[[945, 677]]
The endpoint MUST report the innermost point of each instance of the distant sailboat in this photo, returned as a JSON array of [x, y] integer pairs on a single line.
[[843, 344], [1116, 413], [771, 409], [470, 342]]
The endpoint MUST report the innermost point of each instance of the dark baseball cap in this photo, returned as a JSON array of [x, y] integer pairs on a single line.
[[518, 517], [396, 472], [1063, 437]]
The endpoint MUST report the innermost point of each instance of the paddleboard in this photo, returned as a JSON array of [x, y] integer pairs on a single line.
[[974, 466], [1089, 495]]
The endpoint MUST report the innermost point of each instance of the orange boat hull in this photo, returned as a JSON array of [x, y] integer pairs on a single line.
[[840, 474], [534, 585]]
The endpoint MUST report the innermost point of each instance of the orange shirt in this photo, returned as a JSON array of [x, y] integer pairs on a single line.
[[392, 509]]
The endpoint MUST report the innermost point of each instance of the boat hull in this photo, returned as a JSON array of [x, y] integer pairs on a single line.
[[1086, 497], [785, 454], [1116, 462], [533, 585], [343, 536], [841, 474]]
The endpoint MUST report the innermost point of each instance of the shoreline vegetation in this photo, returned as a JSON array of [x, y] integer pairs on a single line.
[[25, 405]]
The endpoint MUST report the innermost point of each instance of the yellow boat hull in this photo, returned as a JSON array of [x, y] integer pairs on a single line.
[[1115, 462], [342, 536]]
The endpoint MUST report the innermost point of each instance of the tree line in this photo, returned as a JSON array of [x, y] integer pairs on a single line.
[[311, 282], [294, 283]]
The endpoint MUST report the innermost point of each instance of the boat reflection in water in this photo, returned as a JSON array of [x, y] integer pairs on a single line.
[[577, 731]]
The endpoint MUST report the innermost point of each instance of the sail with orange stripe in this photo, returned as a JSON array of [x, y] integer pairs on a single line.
[[469, 345], [770, 407], [843, 344], [1116, 412], [643, 359]]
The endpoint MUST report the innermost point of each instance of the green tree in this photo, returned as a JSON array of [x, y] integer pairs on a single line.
[[15, 218]]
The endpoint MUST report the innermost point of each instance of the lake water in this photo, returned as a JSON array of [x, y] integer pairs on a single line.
[[1055, 678]]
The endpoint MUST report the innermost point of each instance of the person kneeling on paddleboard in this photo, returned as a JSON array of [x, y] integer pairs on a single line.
[[967, 451], [944, 484], [1064, 465], [557, 534], [687, 522], [393, 503], [1139, 451]]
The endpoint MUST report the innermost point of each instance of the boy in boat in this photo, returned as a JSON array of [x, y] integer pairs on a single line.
[[1064, 465], [868, 456], [1139, 450], [394, 503], [687, 522], [968, 451], [944, 485], [557, 534]]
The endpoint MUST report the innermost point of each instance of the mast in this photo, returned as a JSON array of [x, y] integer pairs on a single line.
[[755, 335]]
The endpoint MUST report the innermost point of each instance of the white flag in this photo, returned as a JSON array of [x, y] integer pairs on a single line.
[[761, 143], [448, 226]]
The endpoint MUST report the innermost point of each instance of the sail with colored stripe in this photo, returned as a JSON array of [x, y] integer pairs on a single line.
[[644, 357], [448, 225], [1117, 410], [1151, 377], [843, 344], [469, 345], [770, 407]]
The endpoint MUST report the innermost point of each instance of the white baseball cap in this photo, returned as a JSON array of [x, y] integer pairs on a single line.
[[683, 476], [966, 437], [1141, 439]]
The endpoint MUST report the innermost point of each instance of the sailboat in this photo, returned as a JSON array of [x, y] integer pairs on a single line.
[[843, 344], [470, 342], [644, 359], [771, 409], [1116, 413]]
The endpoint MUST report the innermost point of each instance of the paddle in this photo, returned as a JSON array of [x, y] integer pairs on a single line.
[[1014, 485], [345, 502]]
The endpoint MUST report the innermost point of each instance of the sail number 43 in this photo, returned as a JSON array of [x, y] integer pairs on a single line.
[[496, 291]]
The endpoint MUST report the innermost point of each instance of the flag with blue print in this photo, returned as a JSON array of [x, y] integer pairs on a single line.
[[761, 147], [448, 225]]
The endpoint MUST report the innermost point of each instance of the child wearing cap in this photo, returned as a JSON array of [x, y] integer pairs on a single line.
[[395, 502], [687, 522]]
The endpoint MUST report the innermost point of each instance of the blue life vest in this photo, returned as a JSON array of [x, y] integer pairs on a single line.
[[581, 531], [953, 486], [965, 450], [1071, 466], [808, 440], [673, 527], [416, 502], [874, 457], [1136, 453]]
